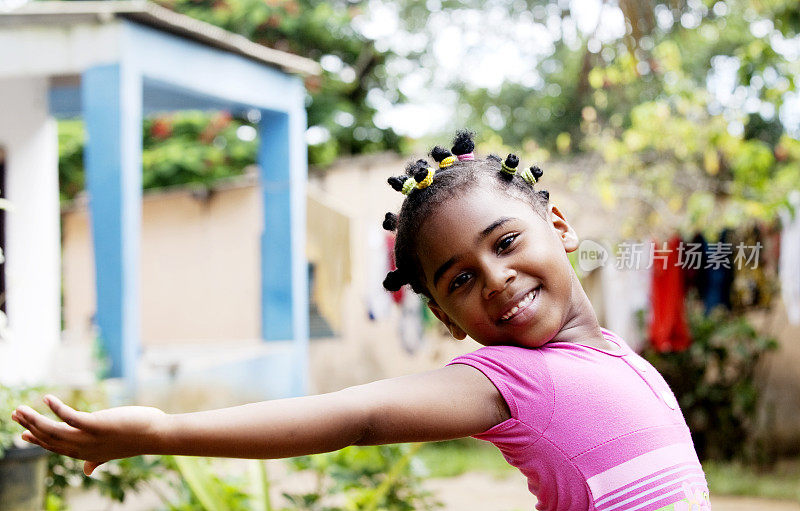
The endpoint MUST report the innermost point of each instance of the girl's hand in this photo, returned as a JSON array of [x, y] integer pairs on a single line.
[[95, 437]]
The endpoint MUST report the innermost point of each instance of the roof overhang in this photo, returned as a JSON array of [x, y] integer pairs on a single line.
[[146, 13]]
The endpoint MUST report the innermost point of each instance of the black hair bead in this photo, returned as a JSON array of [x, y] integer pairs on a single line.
[[512, 161], [390, 221], [439, 153], [462, 143], [420, 174], [412, 167], [394, 281], [397, 182]]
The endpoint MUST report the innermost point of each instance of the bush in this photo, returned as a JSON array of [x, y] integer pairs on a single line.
[[714, 381]]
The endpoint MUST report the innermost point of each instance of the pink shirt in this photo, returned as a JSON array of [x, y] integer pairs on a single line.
[[592, 429]]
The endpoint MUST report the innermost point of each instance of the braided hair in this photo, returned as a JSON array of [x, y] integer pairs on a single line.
[[457, 171]]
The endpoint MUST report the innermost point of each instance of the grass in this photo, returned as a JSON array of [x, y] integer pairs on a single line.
[[781, 482], [455, 457], [731, 478]]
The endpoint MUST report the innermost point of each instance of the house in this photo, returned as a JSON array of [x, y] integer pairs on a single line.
[[112, 63]]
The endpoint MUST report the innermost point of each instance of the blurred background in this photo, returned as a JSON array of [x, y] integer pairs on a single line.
[[192, 194]]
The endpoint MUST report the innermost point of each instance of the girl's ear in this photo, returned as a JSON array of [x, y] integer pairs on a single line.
[[569, 238], [455, 330]]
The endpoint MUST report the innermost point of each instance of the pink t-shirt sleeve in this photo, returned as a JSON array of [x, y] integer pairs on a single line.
[[522, 378]]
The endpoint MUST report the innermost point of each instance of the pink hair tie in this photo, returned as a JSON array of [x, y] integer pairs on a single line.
[[466, 157]]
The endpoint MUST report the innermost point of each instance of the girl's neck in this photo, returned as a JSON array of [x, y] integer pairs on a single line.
[[581, 325]]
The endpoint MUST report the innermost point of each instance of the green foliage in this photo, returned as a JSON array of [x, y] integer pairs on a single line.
[[714, 381], [10, 399], [202, 489], [584, 85], [193, 148], [71, 139], [375, 477], [337, 99], [115, 481], [200, 148], [685, 170], [735, 478], [186, 148], [455, 457]]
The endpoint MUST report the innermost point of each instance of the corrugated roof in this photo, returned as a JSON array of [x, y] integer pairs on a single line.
[[147, 13]]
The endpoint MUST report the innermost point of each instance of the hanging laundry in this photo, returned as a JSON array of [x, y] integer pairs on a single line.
[[751, 286], [693, 263], [411, 323], [397, 296], [668, 329], [789, 264], [626, 295], [719, 272], [379, 302]]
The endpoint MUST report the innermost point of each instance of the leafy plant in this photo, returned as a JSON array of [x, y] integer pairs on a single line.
[[202, 489], [10, 399], [714, 381], [383, 477], [186, 148], [115, 481]]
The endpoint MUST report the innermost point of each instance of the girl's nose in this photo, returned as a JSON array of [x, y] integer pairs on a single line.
[[496, 280]]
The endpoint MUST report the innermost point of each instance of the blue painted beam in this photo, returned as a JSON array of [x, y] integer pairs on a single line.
[[282, 160], [111, 96], [276, 239], [206, 71], [298, 175]]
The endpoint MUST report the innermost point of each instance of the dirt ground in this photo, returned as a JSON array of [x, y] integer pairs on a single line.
[[476, 491], [479, 491]]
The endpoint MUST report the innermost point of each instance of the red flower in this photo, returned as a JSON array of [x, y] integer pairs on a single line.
[[161, 128]]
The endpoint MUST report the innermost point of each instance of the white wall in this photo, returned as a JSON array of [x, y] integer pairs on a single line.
[[30, 139]]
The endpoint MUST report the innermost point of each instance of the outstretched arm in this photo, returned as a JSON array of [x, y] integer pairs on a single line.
[[450, 402]]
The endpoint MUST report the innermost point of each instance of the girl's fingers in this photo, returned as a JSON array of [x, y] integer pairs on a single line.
[[30, 438], [45, 428], [74, 418], [25, 423]]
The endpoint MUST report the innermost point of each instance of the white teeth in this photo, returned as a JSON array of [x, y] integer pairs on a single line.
[[526, 300]]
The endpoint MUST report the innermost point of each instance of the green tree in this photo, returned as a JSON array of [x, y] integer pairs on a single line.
[[337, 106], [199, 148], [683, 104]]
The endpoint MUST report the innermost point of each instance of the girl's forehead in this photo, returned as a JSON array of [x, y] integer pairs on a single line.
[[457, 223], [476, 206]]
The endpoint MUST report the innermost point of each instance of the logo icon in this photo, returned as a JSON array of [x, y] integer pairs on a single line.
[[591, 255]]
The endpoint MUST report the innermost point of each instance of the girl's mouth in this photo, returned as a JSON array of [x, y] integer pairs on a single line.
[[522, 305]]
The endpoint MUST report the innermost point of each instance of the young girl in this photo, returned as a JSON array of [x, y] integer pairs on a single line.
[[590, 423]]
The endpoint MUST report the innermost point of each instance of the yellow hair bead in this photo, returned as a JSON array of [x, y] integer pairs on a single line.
[[447, 162], [428, 179], [528, 176], [408, 185], [508, 170]]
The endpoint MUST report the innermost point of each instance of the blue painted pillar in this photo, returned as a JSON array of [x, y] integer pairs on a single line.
[[111, 96], [284, 306]]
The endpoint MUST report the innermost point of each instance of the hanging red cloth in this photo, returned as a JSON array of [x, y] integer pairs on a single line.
[[668, 329], [397, 296]]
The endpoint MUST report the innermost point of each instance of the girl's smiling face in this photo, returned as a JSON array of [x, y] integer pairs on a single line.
[[497, 270]]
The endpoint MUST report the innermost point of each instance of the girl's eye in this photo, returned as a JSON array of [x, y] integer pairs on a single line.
[[459, 280], [506, 242]]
